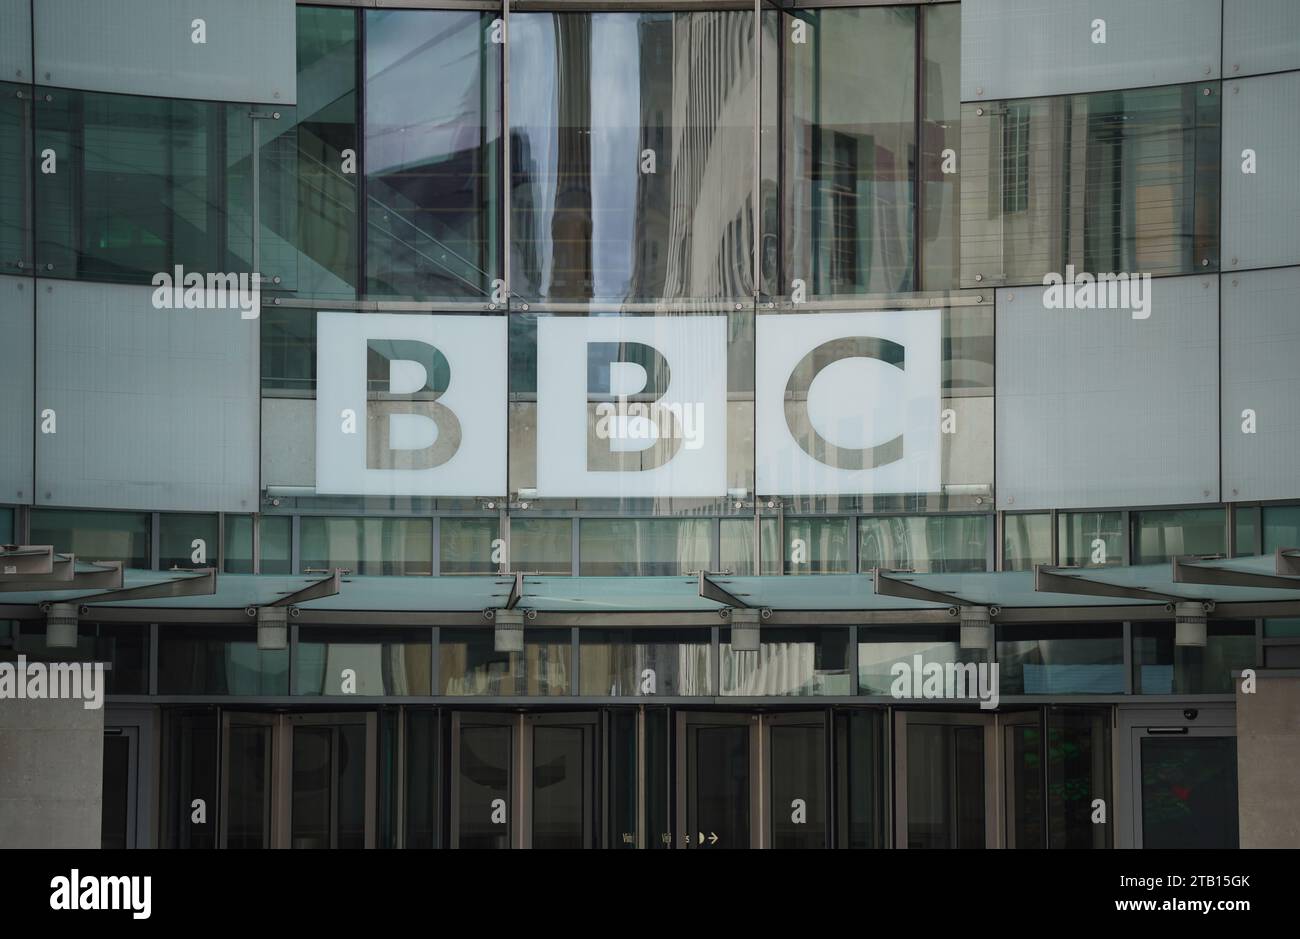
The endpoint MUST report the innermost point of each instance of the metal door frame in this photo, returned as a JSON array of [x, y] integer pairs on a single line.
[[275, 820], [993, 768], [820, 717], [589, 722], [685, 719], [369, 720]]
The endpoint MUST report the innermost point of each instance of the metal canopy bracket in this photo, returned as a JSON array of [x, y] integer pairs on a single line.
[[711, 590], [202, 585], [886, 585], [327, 587], [1047, 579], [1288, 562], [105, 575], [26, 560], [1191, 573]]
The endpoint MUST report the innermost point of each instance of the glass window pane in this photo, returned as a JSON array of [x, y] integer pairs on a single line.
[[15, 128], [541, 545], [368, 545], [850, 173], [1061, 659], [422, 778], [6, 526], [926, 544], [1281, 527], [1078, 771], [1026, 541], [94, 536], [1247, 521], [143, 184], [590, 94], [187, 541], [469, 546], [124, 646], [860, 786], [637, 662], [630, 547], [191, 746], [817, 546], [737, 547], [789, 662], [288, 349], [432, 163], [276, 535], [940, 131], [1189, 792], [1115, 181], [1162, 667], [219, 660], [374, 662], [238, 547], [1159, 536], [1090, 539], [879, 649], [469, 665], [323, 258]]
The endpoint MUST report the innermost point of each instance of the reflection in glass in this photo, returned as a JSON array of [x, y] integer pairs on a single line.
[[15, 191], [190, 752], [1078, 771], [422, 778], [1114, 181], [237, 548], [541, 545], [311, 786], [790, 661], [798, 761], [323, 242], [1062, 659], [940, 132], [717, 785], [1162, 667], [219, 660], [99, 536], [593, 98], [737, 549], [432, 129], [380, 661], [562, 789], [1026, 541], [467, 546], [1246, 519], [124, 646], [635, 662], [945, 786], [926, 544], [484, 781], [176, 541], [880, 648], [850, 158], [817, 546], [1281, 528], [860, 780], [468, 664], [275, 534], [1159, 536], [1189, 792], [367, 545], [248, 786], [631, 547], [1090, 539]]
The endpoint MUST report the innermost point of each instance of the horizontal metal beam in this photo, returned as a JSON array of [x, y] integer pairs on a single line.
[[1047, 579], [886, 585], [1185, 573]]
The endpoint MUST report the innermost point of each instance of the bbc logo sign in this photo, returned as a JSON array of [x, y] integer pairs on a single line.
[[629, 406]]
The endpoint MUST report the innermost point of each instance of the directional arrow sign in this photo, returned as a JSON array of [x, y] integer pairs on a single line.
[[713, 838]]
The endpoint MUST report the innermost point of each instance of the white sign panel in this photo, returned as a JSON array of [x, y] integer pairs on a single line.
[[410, 404], [848, 403], [632, 406]]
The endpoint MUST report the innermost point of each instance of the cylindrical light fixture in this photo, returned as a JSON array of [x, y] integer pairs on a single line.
[[1189, 623], [976, 630], [61, 626], [272, 628], [508, 631], [744, 629]]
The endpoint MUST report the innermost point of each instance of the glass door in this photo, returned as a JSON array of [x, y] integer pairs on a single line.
[[797, 780], [559, 757], [1185, 787], [332, 780], [248, 790], [484, 801], [121, 756], [945, 780], [719, 804]]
